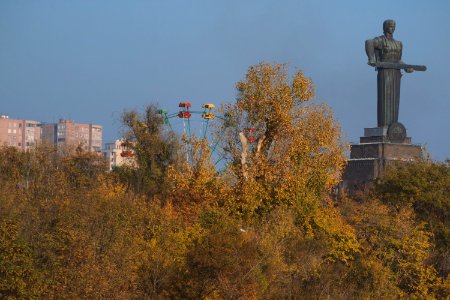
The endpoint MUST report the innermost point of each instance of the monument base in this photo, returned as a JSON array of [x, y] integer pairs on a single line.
[[373, 154]]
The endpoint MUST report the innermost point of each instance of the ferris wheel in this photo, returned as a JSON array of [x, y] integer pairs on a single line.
[[201, 124], [198, 123], [189, 118]]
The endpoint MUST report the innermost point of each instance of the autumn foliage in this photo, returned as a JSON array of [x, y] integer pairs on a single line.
[[265, 223]]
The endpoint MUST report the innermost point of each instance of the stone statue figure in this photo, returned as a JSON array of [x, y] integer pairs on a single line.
[[385, 54]]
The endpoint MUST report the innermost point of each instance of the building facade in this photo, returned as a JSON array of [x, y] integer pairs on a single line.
[[67, 133], [118, 153], [22, 134], [25, 134]]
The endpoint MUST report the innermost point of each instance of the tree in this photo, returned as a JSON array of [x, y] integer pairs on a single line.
[[17, 272], [297, 155], [426, 187], [154, 148], [62, 219], [391, 236]]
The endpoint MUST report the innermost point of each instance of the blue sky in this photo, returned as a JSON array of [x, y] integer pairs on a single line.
[[89, 60]]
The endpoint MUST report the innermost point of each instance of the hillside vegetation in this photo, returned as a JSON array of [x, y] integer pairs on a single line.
[[266, 225]]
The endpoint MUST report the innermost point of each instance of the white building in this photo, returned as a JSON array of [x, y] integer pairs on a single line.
[[118, 153]]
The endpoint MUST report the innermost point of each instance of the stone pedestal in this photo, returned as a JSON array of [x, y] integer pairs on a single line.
[[369, 158]]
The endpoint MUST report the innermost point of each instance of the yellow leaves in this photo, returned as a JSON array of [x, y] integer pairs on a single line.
[[299, 155], [305, 159], [170, 242], [344, 245], [302, 87], [110, 190], [391, 236], [265, 95], [17, 275], [194, 182]]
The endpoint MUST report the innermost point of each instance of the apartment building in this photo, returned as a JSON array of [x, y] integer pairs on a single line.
[[118, 153], [67, 133], [22, 134]]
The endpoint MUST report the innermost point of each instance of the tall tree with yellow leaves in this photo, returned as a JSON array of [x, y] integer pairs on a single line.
[[281, 149]]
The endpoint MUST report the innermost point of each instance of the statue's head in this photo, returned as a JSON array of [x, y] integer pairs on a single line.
[[389, 25]]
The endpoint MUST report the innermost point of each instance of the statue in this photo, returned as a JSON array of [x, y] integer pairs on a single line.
[[385, 54]]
